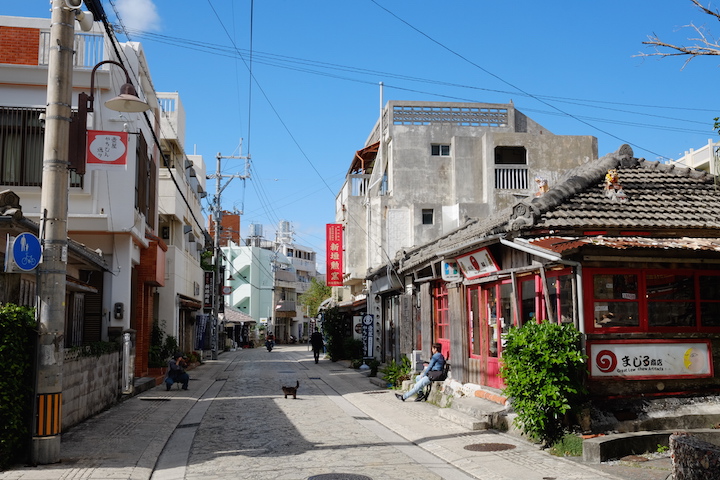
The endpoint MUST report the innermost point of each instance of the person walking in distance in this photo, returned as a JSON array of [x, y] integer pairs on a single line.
[[433, 371], [316, 340]]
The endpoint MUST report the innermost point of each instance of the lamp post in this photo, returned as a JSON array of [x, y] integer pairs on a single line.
[[52, 268]]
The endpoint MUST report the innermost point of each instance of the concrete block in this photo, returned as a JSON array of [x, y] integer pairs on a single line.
[[464, 420], [607, 447]]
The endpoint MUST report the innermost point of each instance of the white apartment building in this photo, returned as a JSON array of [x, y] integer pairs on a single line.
[[704, 158], [267, 278], [113, 199]]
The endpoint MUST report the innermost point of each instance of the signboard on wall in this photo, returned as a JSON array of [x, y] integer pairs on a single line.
[[107, 148], [450, 271], [334, 254], [632, 360], [477, 264], [368, 335], [208, 291]]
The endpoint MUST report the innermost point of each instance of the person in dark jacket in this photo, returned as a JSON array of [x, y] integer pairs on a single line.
[[317, 342], [176, 372]]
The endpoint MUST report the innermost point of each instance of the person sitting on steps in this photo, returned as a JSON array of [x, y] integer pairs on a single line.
[[432, 372], [176, 372]]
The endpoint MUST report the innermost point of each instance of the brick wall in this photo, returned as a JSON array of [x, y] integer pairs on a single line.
[[19, 46]]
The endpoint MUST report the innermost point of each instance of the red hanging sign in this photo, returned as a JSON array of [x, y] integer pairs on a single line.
[[107, 148], [334, 255]]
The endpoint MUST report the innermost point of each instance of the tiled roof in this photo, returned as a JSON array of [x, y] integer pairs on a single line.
[[661, 201], [562, 244]]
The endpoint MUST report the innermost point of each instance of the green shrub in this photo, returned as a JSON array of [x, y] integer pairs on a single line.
[[18, 339], [336, 330], [543, 371], [569, 445], [374, 365], [352, 348], [395, 373], [356, 363], [162, 347]]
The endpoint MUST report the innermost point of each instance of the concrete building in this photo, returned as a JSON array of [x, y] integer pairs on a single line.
[[426, 169], [181, 187]]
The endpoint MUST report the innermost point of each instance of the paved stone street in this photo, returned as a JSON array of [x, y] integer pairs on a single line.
[[234, 422]]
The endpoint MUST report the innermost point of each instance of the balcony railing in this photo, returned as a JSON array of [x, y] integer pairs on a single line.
[[89, 49]]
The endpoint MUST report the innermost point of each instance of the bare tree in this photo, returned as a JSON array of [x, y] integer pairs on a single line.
[[704, 42]]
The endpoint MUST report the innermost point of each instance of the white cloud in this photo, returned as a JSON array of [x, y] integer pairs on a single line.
[[139, 14]]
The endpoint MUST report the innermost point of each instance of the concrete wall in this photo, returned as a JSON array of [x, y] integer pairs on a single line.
[[90, 385]]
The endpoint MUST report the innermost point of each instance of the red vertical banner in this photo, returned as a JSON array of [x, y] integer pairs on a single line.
[[334, 255]]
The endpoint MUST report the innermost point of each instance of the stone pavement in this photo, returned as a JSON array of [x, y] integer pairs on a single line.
[[234, 422]]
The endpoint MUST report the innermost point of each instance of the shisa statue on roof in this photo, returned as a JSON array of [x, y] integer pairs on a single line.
[[542, 186], [613, 189]]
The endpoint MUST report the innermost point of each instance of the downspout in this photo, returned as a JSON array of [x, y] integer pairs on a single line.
[[532, 250]]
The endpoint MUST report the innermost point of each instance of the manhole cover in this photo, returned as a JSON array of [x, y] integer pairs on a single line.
[[489, 447], [339, 476]]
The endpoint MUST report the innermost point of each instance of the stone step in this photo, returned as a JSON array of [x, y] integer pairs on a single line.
[[464, 420]]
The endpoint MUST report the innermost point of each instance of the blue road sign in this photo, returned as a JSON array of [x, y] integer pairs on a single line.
[[26, 251]]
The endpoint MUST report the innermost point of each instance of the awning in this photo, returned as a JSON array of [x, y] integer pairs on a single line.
[[74, 285], [189, 303], [364, 159]]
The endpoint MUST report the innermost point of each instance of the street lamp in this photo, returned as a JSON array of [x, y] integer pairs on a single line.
[[52, 268], [127, 101]]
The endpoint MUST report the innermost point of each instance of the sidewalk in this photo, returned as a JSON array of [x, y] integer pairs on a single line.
[[154, 431], [125, 441]]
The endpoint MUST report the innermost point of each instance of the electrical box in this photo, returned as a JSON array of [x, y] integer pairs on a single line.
[[416, 363]]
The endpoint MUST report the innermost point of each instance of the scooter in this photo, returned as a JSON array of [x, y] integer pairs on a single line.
[[269, 345]]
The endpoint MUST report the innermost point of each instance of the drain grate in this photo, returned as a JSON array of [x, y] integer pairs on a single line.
[[489, 447], [375, 392], [339, 476]]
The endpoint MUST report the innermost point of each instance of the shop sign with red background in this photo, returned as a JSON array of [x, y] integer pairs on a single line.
[[334, 255]]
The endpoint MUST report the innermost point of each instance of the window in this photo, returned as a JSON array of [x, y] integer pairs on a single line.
[[510, 156], [21, 146], [511, 171], [533, 304], [427, 216], [145, 183], [440, 150], [651, 300], [22, 140]]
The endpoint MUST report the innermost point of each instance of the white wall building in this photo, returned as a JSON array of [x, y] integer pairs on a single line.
[[704, 158], [113, 205], [181, 187]]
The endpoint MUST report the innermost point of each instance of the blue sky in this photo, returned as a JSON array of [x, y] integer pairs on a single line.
[[571, 65]]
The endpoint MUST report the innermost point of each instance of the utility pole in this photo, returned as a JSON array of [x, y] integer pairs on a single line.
[[53, 228], [218, 282]]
